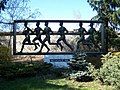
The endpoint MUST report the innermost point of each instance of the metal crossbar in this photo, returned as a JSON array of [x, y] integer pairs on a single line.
[[65, 21]]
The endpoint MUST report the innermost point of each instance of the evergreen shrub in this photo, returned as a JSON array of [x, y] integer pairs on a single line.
[[109, 73]]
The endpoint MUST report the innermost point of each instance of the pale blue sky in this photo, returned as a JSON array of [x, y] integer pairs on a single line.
[[63, 9]]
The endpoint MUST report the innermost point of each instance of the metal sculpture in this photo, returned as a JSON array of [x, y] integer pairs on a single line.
[[44, 36]]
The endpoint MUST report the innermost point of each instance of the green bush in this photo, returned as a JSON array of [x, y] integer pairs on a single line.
[[11, 70], [109, 73], [115, 43], [5, 54], [5, 61]]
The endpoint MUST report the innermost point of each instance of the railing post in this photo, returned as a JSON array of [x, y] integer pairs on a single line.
[[102, 29], [14, 38]]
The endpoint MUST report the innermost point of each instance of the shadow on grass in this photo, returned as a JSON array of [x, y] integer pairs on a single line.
[[33, 83]]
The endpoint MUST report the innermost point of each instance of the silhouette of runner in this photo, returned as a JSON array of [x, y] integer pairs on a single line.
[[27, 31], [47, 31], [91, 38], [38, 31], [82, 33], [62, 31]]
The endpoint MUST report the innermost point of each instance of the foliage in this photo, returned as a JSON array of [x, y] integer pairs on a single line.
[[108, 11], [10, 70], [115, 43], [16, 10], [113, 39], [5, 54], [2, 4], [45, 78], [80, 68], [109, 73]]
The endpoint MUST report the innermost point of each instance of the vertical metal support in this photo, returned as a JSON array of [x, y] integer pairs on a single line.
[[106, 35], [103, 38], [14, 38], [104, 41]]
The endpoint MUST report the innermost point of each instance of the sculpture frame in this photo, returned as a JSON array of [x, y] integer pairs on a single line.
[[103, 36]]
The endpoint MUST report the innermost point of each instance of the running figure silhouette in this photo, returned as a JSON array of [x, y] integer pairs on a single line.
[[38, 31], [27, 31], [61, 32], [82, 33], [91, 37], [47, 31]]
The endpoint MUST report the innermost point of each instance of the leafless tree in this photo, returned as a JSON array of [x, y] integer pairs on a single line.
[[16, 9]]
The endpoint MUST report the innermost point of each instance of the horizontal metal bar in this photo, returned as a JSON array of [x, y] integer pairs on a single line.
[[57, 53], [6, 33], [54, 33], [65, 21], [43, 53]]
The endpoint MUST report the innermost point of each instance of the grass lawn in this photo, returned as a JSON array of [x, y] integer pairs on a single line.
[[36, 83]]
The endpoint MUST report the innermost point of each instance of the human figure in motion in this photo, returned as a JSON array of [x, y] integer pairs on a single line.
[[62, 31], [81, 32], [27, 31], [38, 31], [47, 31], [91, 37]]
